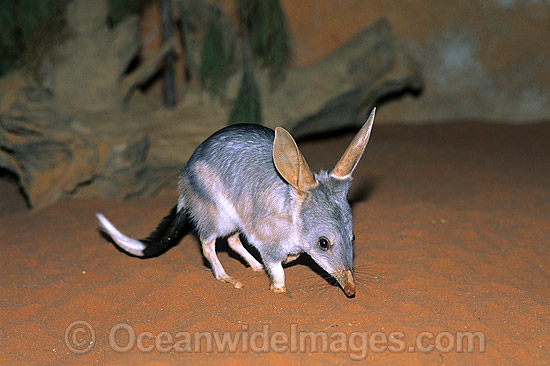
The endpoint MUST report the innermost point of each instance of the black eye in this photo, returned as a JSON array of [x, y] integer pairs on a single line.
[[353, 238], [324, 243]]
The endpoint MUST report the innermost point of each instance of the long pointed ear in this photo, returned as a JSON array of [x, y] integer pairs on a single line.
[[347, 163], [290, 162]]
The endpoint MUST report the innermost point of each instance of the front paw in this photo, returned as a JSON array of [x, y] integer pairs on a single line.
[[257, 267], [291, 258], [278, 290]]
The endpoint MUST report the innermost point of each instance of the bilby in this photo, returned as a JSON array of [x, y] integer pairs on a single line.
[[250, 180]]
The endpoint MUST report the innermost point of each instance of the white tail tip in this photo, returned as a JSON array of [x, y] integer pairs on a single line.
[[128, 244]]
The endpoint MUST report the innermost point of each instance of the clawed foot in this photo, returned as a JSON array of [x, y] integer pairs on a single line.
[[291, 258], [257, 267], [278, 290], [234, 282]]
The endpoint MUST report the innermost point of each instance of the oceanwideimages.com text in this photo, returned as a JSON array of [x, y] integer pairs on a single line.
[[80, 337]]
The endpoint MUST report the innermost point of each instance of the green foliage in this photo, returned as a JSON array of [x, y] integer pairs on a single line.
[[28, 31], [120, 9], [269, 36], [247, 107], [8, 44], [216, 59]]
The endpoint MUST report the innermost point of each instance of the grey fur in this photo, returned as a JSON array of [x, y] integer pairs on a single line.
[[231, 185]]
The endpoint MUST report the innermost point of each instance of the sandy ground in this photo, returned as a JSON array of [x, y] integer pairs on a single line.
[[452, 227]]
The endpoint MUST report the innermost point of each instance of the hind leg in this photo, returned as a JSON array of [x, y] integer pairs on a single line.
[[209, 251], [235, 244]]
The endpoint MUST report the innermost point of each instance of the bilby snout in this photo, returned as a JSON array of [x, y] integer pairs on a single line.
[[349, 287], [345, 279]]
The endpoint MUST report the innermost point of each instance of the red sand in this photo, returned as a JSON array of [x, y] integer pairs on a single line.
[[452, 235]]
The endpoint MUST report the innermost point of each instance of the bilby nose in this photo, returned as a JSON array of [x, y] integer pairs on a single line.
[[349, 287], [349, 290]]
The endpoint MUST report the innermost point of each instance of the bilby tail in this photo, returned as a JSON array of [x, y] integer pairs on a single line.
[[166, 235]]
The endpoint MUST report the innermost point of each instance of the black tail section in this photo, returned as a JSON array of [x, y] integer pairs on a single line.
[[167, 233]]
